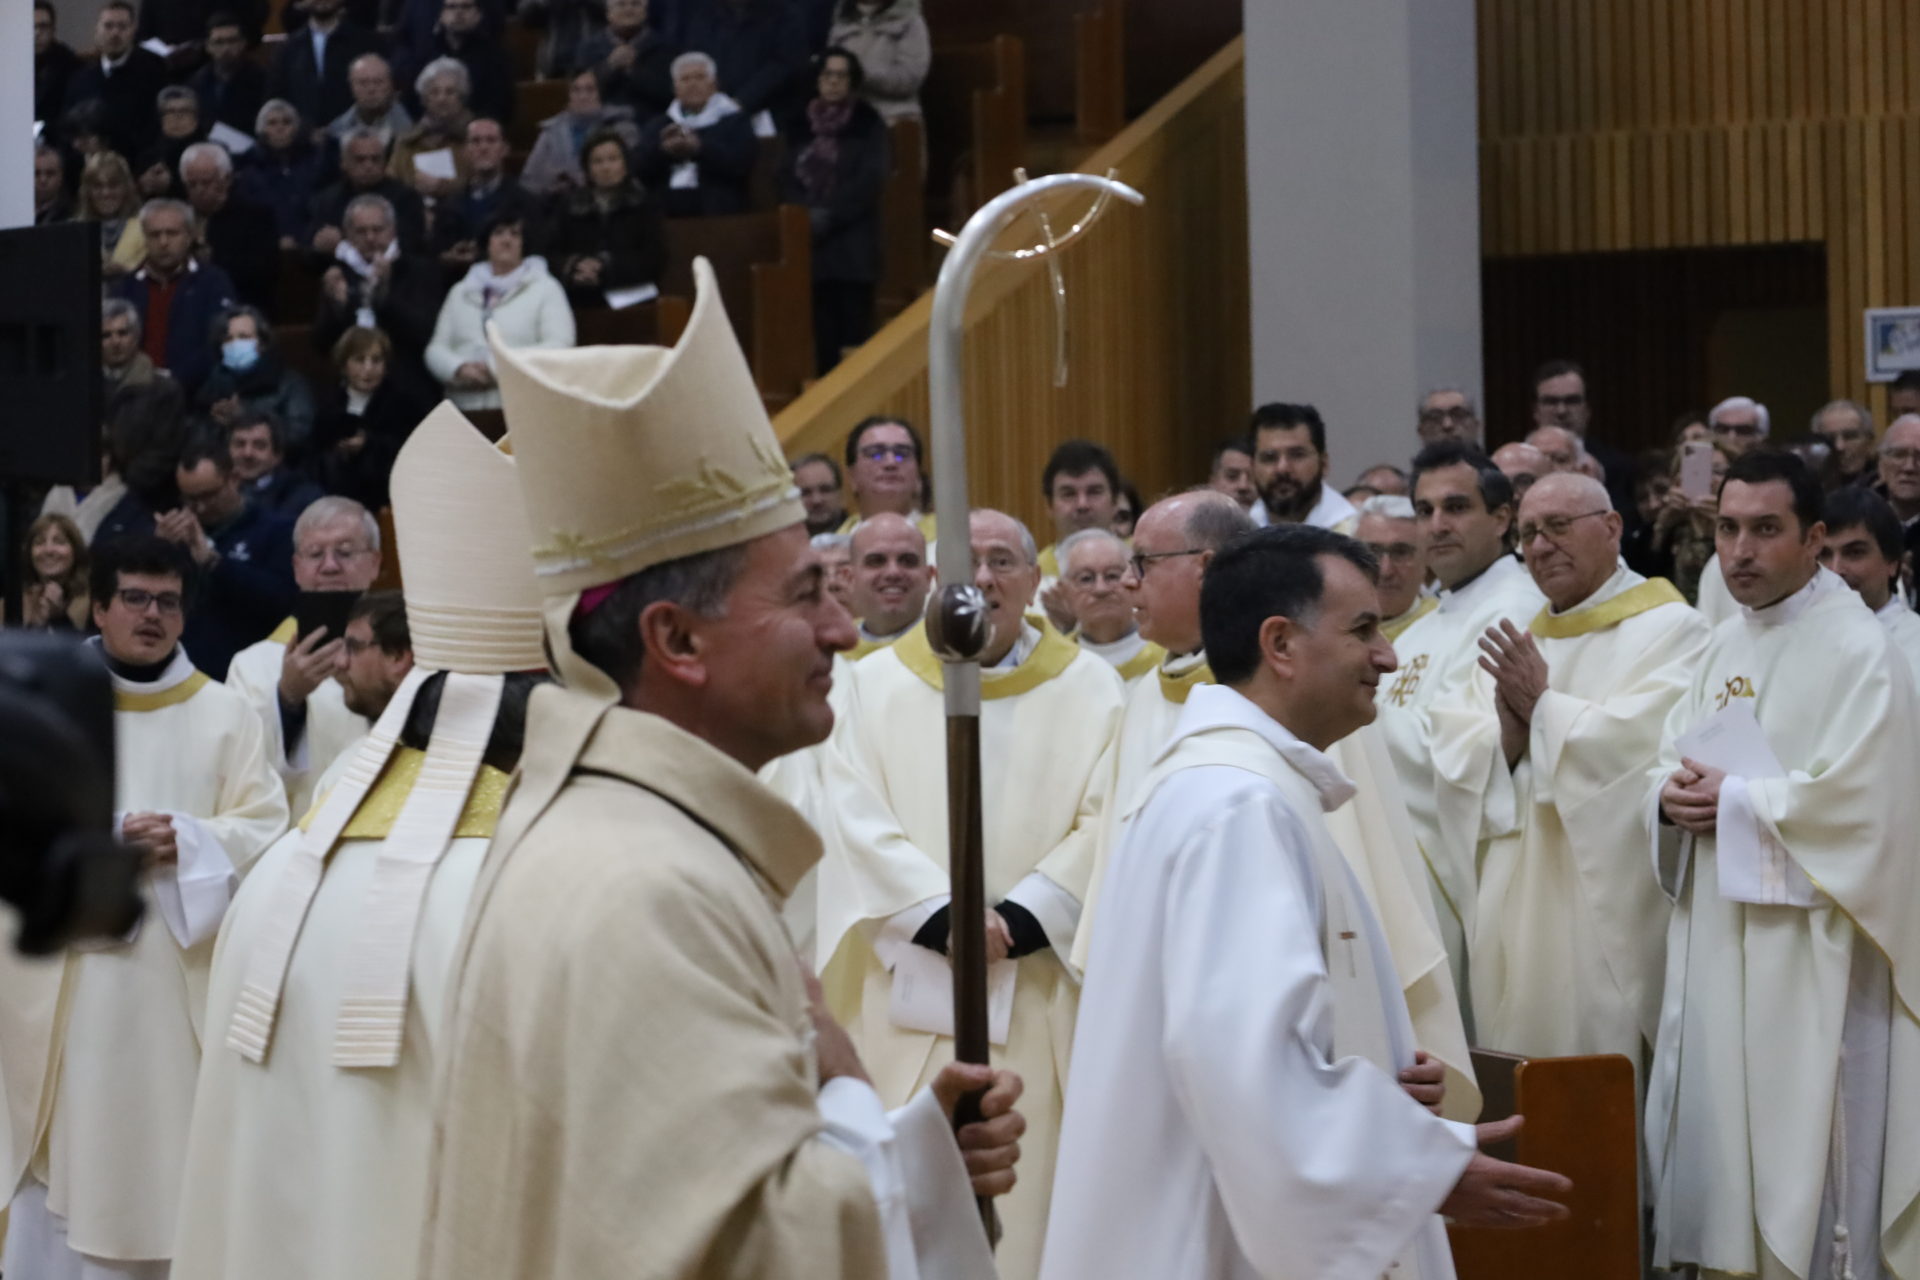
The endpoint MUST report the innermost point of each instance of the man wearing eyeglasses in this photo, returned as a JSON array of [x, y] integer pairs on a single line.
[[1899, 477], [1446, 413], [1569, 943], [1048, 715], [242, 557], [1391, 530], [883, 470], [1560, 399], [100, 1176], [291, 680], [1094, 571]]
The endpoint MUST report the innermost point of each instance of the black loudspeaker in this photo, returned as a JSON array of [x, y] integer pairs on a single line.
[[50, 392]]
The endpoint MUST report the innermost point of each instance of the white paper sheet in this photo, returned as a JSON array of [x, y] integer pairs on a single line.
[[157, 46], [923, 994], [621, 299], [436, 164], [1753, 867], [236, 142]]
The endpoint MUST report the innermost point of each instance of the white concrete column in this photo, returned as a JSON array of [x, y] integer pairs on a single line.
[[1364, 213], [16, 112]]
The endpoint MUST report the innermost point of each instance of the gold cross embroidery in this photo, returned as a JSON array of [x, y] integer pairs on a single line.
[[1409, 682], [1737, 687]]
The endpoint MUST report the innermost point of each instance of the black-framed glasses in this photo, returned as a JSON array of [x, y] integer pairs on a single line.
[[1555, 527], [1141, 559], [136, 599]]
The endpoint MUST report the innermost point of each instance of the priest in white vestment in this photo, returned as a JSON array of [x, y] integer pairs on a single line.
[[310, 1134], [1866, 546], [1290, 470], [1093, 577], [1390, 528], [288, 679], [1241, 1010], [1048, 718], [1569, 944], [96, 1165], [892, 573], [640, 1075], [1174, 541], [1442, 731], [1783, 1109]]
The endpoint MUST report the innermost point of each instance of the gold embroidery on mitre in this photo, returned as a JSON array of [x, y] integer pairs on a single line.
[[1736, 687], [690, 492], [1409, 682]]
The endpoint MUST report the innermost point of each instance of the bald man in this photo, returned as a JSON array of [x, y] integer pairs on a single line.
[[1562, 448], [1521, 464], [1569, 943], [890, 578], [1049, 714]]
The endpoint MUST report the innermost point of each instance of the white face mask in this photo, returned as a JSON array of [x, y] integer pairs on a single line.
[[240, 354]]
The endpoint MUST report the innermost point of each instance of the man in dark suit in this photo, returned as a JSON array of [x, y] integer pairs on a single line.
[[310, 70], [363, 172], [463, 36], [124, 79], [178, 298], [1560, 400], [489, 192], [53, 66], [238, 234], [232, 87]]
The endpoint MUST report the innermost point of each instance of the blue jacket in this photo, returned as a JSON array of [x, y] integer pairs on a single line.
[[248, 592], [203, 293]]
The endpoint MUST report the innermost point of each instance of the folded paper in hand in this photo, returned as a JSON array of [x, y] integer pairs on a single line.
[[923, 994], [436, 164], [1752, 865]]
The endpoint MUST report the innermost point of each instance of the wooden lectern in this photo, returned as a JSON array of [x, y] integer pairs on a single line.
[[1581, 1122]]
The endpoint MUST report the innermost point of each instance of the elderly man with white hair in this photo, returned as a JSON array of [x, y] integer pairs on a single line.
[[239, 233], [1049, 715], [1569, 942], [1094, 575], [1390, 529], [700, 153], [288, 678], [376, 104], [1739, 423]]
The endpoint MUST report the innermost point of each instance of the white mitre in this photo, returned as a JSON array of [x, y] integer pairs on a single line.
[[636, 455], [473, 610]]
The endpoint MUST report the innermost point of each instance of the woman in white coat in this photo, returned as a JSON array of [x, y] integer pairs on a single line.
[[509, 289]]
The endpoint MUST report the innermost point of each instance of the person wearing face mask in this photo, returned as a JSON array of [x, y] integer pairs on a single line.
[[251, 379], [365, 415]]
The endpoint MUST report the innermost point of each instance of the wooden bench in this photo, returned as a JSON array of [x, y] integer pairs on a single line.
[[296, 290], [764, 265], [975, 103], [1582, 1122], [534, 101], [658, 323], [1076, 55], [297, 352]]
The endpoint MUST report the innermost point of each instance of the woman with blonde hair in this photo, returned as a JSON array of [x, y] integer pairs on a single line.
[[55, 597], [108, 197]]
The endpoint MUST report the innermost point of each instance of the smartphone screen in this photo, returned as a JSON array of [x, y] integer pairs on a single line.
[[1696, 469]]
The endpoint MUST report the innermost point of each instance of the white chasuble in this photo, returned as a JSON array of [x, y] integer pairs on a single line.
[[300, 1169], [1903, 624], [1233, 1112], [799, 778], [1372, 831], [330, 728], [1444, 736], [1569, 944], [116, 1030], [1047, 729], [1783, 1109]]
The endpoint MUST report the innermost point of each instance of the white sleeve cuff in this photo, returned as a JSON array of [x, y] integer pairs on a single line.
[[1057, 910], [192, 894], [947, 1235], [897, 931], [1752, 865], [857, 1124]]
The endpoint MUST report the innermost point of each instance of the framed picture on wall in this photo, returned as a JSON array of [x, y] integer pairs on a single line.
[[1893, 342]]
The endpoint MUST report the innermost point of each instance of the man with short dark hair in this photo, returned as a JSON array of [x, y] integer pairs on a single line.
[[1560, 399], [258, 445], [488, 193], [310, 68], [114, 1073], [1265, 1061], [818, 478], [1290, 469], [1081, 483], [50, 203], [1232, 472], [1866, 546], [883, 470], [242, 555], [178, 297], [232, 86], [363, 172], [123, 78], [1786, 811], [1439, 719]]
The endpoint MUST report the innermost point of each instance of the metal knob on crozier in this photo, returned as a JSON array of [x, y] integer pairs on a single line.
[[957, 624]]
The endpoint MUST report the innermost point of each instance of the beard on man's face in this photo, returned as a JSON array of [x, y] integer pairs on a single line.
[[1288, 498]]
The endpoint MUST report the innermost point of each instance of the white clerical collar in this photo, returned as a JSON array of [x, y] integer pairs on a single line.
[[1022, 649], [1622, 579], [1118, 652], [1823, 584], [1332, 509], [180, 669], [1215, 706], [1495, 574], [1179, 664], [872, 637]]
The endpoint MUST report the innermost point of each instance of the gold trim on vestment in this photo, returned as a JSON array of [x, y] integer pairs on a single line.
[[287, 633], [1175, 688], [1393, 628], [1635, 600], [1053, 655], [374, 819], [1150, 656], [125, 701]]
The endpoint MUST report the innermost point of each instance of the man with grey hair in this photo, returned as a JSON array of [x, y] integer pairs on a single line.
[[376, 284], [1048, 719], [288, 679], [1739, 423], [1390, 529], [178, 298], [239, 233], [1094, 571], [1521, 464], [363, 172], [1561, 447], [700, 151], [122, 362], [1447, 413], [1847, 427], [836, 553], [376, 103]]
